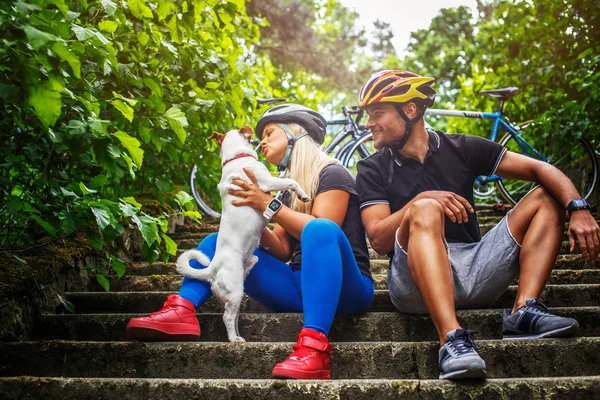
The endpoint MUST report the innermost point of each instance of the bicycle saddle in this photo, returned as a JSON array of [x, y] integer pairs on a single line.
[[504, 93]]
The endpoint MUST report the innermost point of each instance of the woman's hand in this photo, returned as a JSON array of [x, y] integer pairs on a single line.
[[250, 193]]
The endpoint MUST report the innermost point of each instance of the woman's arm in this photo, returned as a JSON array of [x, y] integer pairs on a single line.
[[277, 243], [332, 205]]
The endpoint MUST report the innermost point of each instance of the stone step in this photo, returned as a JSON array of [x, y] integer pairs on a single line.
[[281, 327], [25, 387], [206, 360], [146, 302]]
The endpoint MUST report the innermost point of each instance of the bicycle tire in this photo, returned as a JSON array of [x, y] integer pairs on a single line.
[[579, 164], [361, 149], [202, 206]]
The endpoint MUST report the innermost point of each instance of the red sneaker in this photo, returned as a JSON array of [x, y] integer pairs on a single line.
[[175, 321], [310, 359]]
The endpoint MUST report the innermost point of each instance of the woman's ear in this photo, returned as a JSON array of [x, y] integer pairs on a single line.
[[247, 132]]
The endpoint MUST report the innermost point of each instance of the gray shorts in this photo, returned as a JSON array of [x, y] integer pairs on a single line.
[[481, 271]]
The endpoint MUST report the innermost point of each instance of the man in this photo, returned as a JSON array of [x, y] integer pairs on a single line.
[[417, 205]]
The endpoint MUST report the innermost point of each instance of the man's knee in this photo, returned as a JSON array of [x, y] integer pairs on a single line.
[[541, 199], [426, 213]]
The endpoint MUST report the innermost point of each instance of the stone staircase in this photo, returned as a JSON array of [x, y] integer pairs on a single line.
[[380, 354]]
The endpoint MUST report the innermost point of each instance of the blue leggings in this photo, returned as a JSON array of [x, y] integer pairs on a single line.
[[328, 284]]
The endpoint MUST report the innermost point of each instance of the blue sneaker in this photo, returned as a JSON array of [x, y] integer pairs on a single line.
[[459, 358], [533, 321]]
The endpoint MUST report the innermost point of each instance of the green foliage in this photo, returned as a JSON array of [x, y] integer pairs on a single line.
[[549, 49], [103, 101]]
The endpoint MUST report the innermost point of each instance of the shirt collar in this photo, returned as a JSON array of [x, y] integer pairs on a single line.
[[434, 145]]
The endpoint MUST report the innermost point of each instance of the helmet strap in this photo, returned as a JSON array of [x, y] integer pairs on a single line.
[[408, 129], [288, 151]]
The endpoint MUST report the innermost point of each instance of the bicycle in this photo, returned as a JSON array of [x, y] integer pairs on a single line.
[[352, 130], [204, 208], [576, 159]]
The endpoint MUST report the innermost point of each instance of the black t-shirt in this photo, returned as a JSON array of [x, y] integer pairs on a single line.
[[336, 177], [452, 164]]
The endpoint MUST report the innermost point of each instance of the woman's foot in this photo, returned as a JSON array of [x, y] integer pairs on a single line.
[[310, 359], [175, 321]]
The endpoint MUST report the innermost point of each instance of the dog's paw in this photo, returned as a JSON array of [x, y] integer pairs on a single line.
[[304, 199], [237, 339]]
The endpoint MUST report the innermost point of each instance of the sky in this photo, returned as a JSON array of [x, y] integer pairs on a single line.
[[404, 16]]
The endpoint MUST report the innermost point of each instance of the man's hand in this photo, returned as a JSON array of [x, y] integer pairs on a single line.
[[455, 207], [584, 228]]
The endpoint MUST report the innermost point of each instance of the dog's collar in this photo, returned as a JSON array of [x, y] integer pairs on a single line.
[[238, 156]]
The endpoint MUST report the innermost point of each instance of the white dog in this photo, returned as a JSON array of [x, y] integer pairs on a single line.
[[240, 229]]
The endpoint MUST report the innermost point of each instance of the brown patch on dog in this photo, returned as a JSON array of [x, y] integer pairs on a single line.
[[219, 137], [247, 131]]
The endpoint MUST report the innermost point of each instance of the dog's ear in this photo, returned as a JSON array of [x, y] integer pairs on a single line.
[[247, 131], [219, 137]]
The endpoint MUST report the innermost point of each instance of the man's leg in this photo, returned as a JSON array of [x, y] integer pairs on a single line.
[[421, 233], [537, 223]]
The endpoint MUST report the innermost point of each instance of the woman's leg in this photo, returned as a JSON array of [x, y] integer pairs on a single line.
[[331, 282]]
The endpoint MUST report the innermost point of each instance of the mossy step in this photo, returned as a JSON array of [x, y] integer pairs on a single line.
[[282, 327], [381, 360], [146, 302], [27, 387], [380, 269]]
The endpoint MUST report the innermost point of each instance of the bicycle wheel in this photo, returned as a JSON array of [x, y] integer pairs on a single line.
[[576, 159], [361, 148], [202, 206]]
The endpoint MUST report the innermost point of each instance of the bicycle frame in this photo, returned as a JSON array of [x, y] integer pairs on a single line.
[[498, 122]]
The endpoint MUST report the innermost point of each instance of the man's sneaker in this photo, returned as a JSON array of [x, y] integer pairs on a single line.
[[533, 321], [459, 358], [175, 321]]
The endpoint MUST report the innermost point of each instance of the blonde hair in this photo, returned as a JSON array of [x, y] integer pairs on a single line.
[[307, 162]]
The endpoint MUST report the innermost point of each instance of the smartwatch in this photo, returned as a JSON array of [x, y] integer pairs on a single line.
[[578, 204], [272, 208]]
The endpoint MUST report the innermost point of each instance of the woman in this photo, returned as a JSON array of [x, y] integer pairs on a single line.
[[329, 273]]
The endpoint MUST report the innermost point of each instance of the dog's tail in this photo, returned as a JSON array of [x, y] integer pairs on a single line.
[[183, 265]]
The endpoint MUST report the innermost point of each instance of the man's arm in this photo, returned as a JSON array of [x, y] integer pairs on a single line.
[[381, 224], [583, 226]]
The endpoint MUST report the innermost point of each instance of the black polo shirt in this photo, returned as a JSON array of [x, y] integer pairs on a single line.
[[452, 164]]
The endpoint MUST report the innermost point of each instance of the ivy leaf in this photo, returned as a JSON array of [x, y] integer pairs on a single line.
[[195, 215], [123, 108], [183, 198], [103, 282], [131, 102], [83, 33], [132, 201], [117, 266], [139, 9], [102, 217], [85, 190], [108, 26], [98, 181], [37, 38], [96, 240], [148, 228], [170, 245], [151, 254], [68, 222], [177, 121], [47, 226], [66, 303], [46, 103], [68, 193], [109, 7], [64, 54], [128, 210], [133, 147]]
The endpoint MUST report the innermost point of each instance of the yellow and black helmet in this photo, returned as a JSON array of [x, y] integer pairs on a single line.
[[397, 86]]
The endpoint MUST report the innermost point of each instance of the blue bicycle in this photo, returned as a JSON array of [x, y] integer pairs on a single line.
[[575, 157]]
